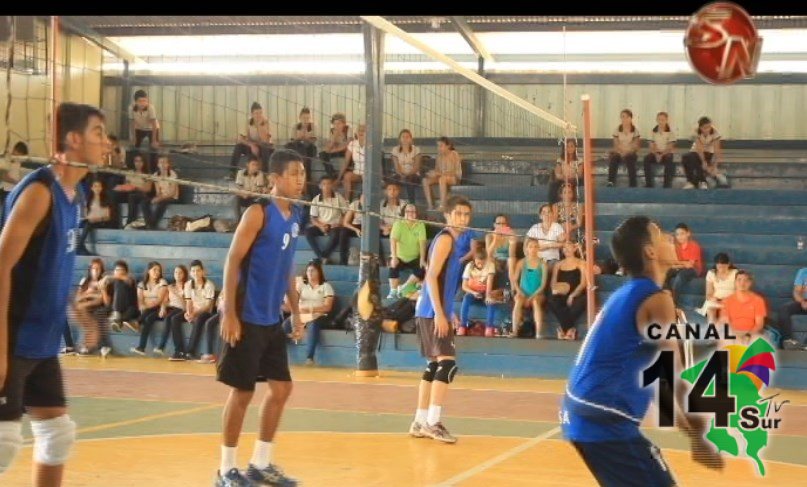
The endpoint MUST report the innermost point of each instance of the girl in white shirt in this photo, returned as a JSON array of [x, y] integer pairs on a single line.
[[719, 286], [316, 305], [701, 162], [406, 160], [99, 214], [167, 192], [626, 145], [152, 294], [662, 151], [353, 170]]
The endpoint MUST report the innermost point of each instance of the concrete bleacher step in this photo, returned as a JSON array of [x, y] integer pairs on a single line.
[[499, 357], [643, 195]]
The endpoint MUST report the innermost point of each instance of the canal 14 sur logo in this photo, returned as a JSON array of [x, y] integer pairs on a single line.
[[728, 386]]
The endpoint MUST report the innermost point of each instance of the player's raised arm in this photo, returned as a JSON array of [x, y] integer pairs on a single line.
[[660, 310]]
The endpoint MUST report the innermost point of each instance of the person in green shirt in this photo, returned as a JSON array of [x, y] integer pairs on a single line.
[[407, 248]]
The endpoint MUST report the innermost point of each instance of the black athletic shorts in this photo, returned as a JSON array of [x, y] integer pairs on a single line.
[[31, 383], [629, 463], [259, 355]]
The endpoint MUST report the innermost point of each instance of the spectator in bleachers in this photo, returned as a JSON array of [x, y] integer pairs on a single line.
[[304, 141], [212, 325], [143, 124], [627, 143], [745, 310], [351, 227], [720, 284], [173, 307], [10, 175], [120, 297], [567, 170], [407, 248], [392, 207], [353, 168], [796, 307], [256, 139], [200, 293], [529, 282], [336, 146], [316, 306], [89, 309], [689, 265], [99, 214], [250, 179], [167, 192], [498, 250], [326, 220], [406, 161], [662, 151], [569, 213], [568, 286], [702, 160], [136, 189], [548, 234], [152, 295], [478, 283], [447, 172]]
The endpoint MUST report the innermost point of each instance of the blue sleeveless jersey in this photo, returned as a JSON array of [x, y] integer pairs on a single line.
[[268, 267], [605, 400], [40, 282], [449, 280]]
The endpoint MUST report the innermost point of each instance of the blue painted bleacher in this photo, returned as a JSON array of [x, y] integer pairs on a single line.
[[757, 227]]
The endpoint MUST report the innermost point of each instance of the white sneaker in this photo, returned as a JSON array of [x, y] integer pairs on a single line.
[[689, 185], [703, 185], [105, 351]]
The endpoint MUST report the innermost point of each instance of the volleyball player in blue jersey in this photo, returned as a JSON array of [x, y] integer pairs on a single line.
[[433, 316], [605, 402], [258, 273], [37, 256]]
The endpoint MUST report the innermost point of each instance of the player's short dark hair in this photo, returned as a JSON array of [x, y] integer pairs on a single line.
[[628, 241], [73, 117], [281, 159], [455, 201], [140, 94], [20, 148], [121, 263], [197, 263]]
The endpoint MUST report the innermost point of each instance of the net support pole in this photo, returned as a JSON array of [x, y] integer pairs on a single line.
[[588, 192], [368, 306], [54, 28]]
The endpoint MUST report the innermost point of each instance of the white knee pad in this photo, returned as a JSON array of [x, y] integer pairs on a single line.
[[10, 442], [53, 439]]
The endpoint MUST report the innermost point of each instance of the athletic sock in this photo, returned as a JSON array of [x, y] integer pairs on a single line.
[[262, 455], [433, 415], [228, 461], [420, 415]]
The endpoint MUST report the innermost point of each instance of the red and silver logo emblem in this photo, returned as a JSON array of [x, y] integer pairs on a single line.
[[722, 43]]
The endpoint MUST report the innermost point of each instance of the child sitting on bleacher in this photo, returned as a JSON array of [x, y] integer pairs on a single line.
[[529, 281], [477, 282]]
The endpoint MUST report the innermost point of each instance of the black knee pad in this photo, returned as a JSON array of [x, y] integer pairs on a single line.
[[446, 371], [428, 374]]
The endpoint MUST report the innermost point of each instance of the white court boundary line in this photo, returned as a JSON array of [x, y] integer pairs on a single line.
[[499, 459]]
